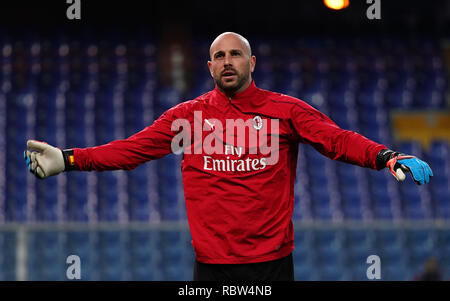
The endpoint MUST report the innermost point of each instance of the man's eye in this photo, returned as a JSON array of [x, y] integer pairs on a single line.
[[219, 55]]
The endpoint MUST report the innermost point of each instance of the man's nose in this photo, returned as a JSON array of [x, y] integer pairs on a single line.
[[227, 60]]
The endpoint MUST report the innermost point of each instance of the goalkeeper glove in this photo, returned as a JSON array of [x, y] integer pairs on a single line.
[[44, 160], [399, 163]]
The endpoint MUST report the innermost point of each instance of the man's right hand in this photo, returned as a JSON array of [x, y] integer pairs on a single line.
[[43, 160]]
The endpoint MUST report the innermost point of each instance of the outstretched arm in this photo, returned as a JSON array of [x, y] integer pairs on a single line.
[[324, 135], [151, 143]]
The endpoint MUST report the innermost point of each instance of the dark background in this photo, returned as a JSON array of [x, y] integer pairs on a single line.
[[201, 17]]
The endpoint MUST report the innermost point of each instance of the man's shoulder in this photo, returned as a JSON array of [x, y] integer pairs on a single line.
[[281, 98], [195, 101], [190, 105], [199, 99], [284, 103]]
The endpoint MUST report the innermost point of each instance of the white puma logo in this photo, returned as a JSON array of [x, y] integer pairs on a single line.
[[211, 125]]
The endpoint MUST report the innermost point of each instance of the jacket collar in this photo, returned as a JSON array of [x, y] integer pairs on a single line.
[[252, 100], [248, 100]]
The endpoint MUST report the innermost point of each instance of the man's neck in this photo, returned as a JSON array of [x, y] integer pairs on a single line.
[[232, 94]]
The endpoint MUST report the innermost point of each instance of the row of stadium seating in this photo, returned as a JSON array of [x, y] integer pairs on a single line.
[[320, 254], [412, 77]]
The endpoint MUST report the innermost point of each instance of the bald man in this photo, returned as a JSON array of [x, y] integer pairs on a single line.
[[232, 63], [239, 146]]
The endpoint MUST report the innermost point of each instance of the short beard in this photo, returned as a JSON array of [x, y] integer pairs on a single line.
[[231, 90]]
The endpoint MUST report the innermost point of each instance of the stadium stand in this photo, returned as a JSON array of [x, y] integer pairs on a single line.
[[90, 92]]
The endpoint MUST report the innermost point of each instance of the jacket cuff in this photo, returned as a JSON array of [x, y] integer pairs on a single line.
[[383, 157], [69, 160]]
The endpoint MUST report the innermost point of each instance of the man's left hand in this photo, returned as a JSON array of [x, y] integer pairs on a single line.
[[401, 163]]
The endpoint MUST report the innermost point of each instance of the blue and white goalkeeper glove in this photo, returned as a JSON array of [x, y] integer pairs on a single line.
[[399, 163]]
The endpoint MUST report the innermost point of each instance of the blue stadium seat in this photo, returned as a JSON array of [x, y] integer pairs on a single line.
[[173, 272], [441, 195], [412, 147], [439, 152], [358, 238], [321, 203], [358, 272], [390, 240], [79, 243], [422, 245], [142, 273], [429, 98], [352, 203], [371, 99], [359, 245], [305, 273], [47, 249], [333, 273], [400, 98], [413, 201], [8, 256], [382, 202], [395, 273]]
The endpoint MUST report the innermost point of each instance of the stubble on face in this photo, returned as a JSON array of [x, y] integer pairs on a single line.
[[224, 85]]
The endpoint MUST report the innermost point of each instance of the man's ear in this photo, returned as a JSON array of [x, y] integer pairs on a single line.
[[209, 67], [252, 63]]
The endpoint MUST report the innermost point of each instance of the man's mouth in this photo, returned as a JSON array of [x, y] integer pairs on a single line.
[[228, 74]]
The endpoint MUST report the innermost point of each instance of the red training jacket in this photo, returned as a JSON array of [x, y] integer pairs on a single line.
[[239, 205]]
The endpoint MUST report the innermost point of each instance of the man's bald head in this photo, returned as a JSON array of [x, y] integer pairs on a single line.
[[227, 36], [231, 62]]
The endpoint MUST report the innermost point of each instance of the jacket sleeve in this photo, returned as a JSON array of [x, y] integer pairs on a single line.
[[315, 128], [153, 142]]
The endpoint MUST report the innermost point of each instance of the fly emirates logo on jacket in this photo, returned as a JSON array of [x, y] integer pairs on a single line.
[[228, 145]]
